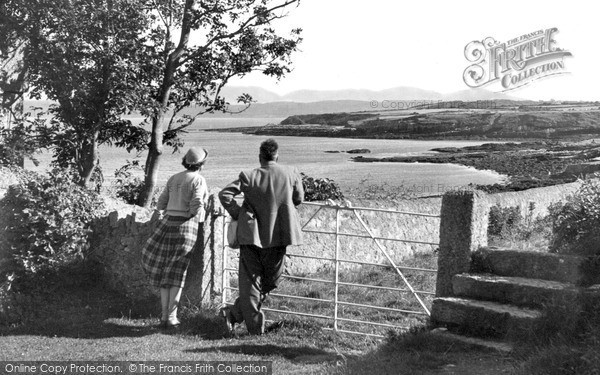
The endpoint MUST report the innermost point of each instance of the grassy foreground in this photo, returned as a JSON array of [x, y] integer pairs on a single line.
[[84, 321]]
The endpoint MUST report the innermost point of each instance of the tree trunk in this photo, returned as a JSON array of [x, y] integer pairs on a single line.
[[13, 85], [155, 148], [88, 160], [16, 113]]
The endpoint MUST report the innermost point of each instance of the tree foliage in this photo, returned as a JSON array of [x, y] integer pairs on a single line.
[[100, 59], [85, 55], [199, 47]]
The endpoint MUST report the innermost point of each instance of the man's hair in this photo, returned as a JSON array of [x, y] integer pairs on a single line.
[[268, 149]]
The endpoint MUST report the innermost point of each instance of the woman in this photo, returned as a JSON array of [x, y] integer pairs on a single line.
[[166, 255]]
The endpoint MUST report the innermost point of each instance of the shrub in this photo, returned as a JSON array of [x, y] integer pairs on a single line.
[[507, 226], [566, 340], [575, 226], [16, 144], [320, 189], [575, 223], [503, 219], [128, 187], [47, 221]]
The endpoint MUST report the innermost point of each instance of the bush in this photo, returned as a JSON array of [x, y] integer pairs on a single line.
[[503, 219], [16, 145], [566, 340], [575, 223], [507, 226], [47, 221], [128, 187], [320, 189], [575, 231]]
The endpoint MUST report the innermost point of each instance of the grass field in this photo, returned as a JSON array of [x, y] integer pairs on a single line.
[[376, 295], [77, 318]]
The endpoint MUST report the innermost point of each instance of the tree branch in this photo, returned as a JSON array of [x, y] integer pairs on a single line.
[[241, 28]]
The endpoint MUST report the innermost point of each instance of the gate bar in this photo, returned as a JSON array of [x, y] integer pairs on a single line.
[[359, 262], [370, 209], [374, 237], [392, 262]]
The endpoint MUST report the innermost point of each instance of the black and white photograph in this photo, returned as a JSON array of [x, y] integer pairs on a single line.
[[299, 187]]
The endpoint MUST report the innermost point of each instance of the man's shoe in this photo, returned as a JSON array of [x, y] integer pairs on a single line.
[[274, 327], [228, 320]]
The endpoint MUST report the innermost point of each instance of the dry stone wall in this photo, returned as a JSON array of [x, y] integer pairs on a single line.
[[117, 243], [541, 198]]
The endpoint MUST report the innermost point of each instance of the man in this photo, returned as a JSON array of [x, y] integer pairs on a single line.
[[267, 223]]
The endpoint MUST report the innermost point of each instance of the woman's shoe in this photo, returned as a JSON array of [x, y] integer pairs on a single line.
[[162, 324], [173, 323]]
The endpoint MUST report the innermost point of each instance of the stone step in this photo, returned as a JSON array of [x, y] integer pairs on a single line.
[[497, 345], [513, 290], [481, 318], [534, 265]]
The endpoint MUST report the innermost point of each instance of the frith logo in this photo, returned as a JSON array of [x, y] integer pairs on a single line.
[[515, 63]]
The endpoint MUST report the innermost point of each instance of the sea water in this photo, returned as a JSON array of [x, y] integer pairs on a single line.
[[318, 157]]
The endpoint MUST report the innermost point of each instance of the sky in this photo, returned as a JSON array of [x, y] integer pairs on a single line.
[[380, 44]]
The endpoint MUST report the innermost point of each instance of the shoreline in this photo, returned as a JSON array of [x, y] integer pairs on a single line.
[[526, 162]]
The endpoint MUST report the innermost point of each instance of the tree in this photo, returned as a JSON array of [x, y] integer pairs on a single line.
[[84, 55], [12, 88], [218, 40], [100, 59]]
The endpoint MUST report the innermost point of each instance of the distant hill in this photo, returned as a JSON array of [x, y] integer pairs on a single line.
[[303, 102], [477, 94], [396, 93], [580, 121], [259, 94]]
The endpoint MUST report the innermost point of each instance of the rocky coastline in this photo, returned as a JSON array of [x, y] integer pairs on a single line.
[[527, 164], [546, 143]]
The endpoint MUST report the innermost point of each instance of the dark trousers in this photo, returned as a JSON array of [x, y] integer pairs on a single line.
[[259, 273]]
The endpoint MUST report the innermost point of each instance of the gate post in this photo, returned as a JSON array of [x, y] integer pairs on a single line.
[[204, 273], [463, 229]]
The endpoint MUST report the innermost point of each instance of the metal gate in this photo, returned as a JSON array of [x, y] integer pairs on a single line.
[[327, 220]]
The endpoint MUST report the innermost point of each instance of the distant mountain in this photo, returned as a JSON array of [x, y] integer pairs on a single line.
[[261, 95], [477, 94], [273, 109], [397, 93], [303, 102], [285, 109]]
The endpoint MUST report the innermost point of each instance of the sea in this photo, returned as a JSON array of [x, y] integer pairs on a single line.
[[317, 157]]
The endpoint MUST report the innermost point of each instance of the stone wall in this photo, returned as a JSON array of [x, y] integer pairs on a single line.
[[118, 239], [541, 198]]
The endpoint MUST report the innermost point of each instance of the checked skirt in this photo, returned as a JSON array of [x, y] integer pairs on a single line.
[[166, 255]]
